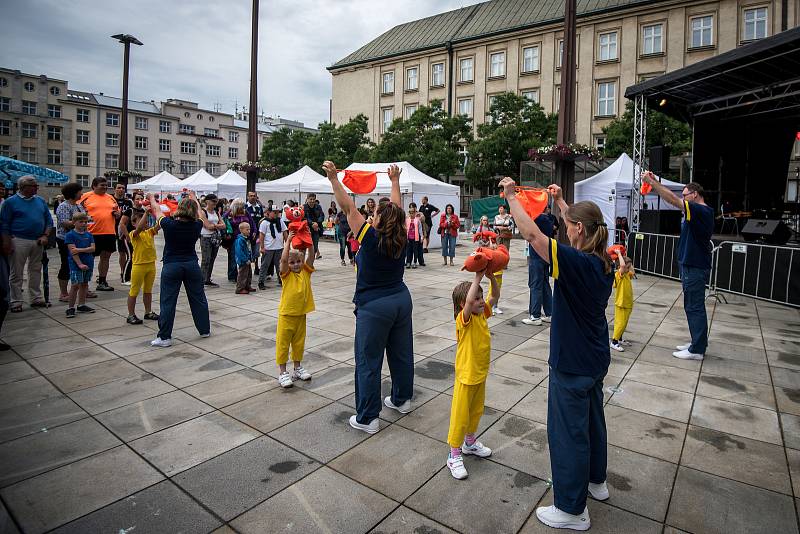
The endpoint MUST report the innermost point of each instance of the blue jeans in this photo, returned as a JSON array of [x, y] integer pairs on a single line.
[[576, 433], [694, 281], [448, 245], [172, 275], [539, 285], [383, 324], [344, 248]]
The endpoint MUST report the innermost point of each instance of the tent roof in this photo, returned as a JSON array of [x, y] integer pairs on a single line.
[[200, 178], [296, 182], [162, 178], [231, 177], [620, 174]]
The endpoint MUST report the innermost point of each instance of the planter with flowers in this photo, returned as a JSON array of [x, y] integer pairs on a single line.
[[568, 152]]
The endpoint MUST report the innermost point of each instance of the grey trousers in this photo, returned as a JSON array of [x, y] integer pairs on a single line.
[[30, 252], [270, 260]]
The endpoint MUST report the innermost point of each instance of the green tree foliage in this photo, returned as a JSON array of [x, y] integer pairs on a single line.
[[429, 140], [514, 125], [661, 130], [283, 150], [342, 144]]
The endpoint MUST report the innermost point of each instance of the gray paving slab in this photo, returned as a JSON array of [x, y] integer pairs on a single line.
[[737, 370], [7, 525], [788, 399], [533, 406], [518, 367], [406, 521], [433, 418], [16, 371], [521, 444], [235, 481], [52, 346], [231, 388], [791, 430], [502, 393], [639, 483], [71, 359], [184, 365], [332, 504], [663, 356], [93, 375], [664, 376], [27, 391], [434, 374], [333, 382], [738, 419], [653, 400], [21, 420], [118, 393], [739, 391], [421, 396], [648, 434], [276, 408]]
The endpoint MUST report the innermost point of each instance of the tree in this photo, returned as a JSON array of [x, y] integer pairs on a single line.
[[661, 130], [430, 140], [514, 125], [283, 151], [341, 144]]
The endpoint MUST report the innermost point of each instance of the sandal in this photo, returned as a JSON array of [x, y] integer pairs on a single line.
[[63, 298], [40, 304]]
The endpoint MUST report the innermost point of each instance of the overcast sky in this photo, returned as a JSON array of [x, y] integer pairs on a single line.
[[199, 50]]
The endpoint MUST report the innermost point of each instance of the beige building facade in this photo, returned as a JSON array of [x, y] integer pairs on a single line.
[[466, 57]]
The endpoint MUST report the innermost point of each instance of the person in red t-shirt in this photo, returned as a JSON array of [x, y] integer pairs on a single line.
[[104, 213]]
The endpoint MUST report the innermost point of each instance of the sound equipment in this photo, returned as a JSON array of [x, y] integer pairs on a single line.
[[660, 221], [659, 159], [772, 232]]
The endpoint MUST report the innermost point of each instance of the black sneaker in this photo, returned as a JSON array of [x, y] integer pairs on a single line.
[[262, 287], [103, 286], [210, 284], [70, 313], [83, 308], [132, 319], [151, 316], [4, 346]]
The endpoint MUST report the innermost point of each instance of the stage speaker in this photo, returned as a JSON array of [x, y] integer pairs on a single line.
[[660, 221], [659, 159], [772, 232]]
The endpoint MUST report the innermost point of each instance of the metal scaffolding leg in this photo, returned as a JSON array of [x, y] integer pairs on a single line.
[[639, 165]]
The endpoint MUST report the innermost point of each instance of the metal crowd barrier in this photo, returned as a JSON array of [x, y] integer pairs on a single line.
[[654, 254]]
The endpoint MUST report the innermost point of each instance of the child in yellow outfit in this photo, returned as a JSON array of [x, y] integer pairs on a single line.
[[143, 270], [623, 301], [489, 243], [297, 300], [472, 366]]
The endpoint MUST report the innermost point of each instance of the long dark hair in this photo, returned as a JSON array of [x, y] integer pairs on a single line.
[[391, 228], [452, 209]]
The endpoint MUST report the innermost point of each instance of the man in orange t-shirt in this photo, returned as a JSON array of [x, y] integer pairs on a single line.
[[104, 213]]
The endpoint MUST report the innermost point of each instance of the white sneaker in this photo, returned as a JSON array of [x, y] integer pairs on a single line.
[[599, 492], [553, 517], [158, 342], [126, 283], [207, 334], [684, 347], [371, 428], [457, 468], [403, 408], [616, 345], [285, 380], [300, 373], [686, 355], [533, 321], [498, 311], [546, 318], [478, 449], [625, 342]]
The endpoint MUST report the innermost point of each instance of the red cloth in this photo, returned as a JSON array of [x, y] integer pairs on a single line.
[[478, 260], [615, 250], [485, 235], [646, 188], [171, 205], [534, 201], [360, 182]]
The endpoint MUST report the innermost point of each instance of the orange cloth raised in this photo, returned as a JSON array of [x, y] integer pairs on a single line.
[[478, 260], [615, 250], [171, 205], [101, 211], [533, 201], [360, 182], [499, 259], [646, 188]]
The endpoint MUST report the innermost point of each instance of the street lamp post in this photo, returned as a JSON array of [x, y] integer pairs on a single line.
[[565, 169], [126, 40], [252, 133]]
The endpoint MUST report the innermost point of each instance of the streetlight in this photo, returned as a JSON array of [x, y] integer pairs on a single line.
[[252, 131], [125, 39]]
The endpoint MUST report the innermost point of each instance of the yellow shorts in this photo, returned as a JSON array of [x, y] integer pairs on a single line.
[[291, 332], [142, 277]]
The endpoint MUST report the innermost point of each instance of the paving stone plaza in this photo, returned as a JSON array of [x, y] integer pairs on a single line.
[[100, 433]]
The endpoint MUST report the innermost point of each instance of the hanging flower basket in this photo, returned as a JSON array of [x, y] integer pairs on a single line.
[[247, 166], [119, 174], [570, 152]]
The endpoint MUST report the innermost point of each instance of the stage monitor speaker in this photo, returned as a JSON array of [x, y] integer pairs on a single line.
[[659, 159], [660, 221], [772, 232]]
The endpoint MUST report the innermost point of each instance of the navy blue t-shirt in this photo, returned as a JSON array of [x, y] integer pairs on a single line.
[[545, 223], [180, 238], [579, 331], [694, 247], [377, 275]]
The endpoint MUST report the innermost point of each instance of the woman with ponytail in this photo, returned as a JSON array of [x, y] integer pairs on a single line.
[[579, 355]]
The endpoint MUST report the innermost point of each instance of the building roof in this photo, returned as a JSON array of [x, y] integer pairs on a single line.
[[473, 22], [133, 105]]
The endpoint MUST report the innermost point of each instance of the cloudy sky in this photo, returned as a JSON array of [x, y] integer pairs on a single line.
[[199, 50]]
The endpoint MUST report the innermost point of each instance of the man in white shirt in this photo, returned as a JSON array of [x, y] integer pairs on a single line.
[[271, 232]]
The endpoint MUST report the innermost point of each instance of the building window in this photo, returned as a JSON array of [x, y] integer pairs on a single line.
[[82, 180], [55, 91], [497, 64], [211, 132], [465, 107], [188, 166], [29, 154], [188, 148], [560, 53], [755, 23], [29, 130], [600, 142], [412, 79], [82, 136], [557, 101], [388, 83], [140, 142], [54, 111], [112, 119], [702, 31], [608, 46], [530, 59], [164, 164], [54, 133], [465, 70], [82, 159], [28, 107], [5, 150], [140, 123], [211, 119], [112, 161], [387, 114], [531, 95], [112, 139], [29, 87], [164, 126], [606, 99], [437, 75], [5, 127], [140, 163], [233, 153], [409, 111], [233, 137], [213, 150], [186, 129], [5, 103], [3, 82], [213, 168], [652, 39], [199, 116], [53, 156], [164, 145], [82, 115]]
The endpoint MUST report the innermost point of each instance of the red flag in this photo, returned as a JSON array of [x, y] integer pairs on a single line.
[[534, 201], [360, 182], [646, 188]]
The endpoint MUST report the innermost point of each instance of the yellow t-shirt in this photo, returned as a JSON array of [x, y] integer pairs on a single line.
[[623, 298], [144, 250], [474, 346], [296, 297]]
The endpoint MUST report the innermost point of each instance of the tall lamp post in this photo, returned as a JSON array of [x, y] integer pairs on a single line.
[[565, 169], [252, 133], [126, 40]]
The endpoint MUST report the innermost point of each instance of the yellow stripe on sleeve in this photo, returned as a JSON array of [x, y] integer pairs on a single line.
[[363, 231], [686, 210], [554, 259]]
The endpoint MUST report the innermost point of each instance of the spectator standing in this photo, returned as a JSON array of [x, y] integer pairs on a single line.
[[270, 239], [64, 213], [448, 229], [80, 246], [25, 221], [124, 248], [255, 209], [541, 296], [315, 217], [104, 213], [428, 211], [342, 232], [237, 215], [502, 226], [210, 238]]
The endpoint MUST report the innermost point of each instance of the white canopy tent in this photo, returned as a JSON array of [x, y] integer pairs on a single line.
[[611, 190], [200, 182], [162, 181], [292, 187], [231, 185]]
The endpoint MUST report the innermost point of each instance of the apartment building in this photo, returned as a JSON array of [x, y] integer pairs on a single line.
[[467, 56]]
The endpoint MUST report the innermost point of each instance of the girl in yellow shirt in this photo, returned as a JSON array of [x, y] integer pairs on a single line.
[[623, 301], [143, 270], [472, 366]]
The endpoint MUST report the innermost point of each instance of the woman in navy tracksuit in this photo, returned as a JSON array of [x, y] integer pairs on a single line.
[[383, 304], [579, 355]]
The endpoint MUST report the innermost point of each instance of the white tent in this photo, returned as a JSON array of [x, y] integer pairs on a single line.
[[291, 187], [162, 181], [611, 190], [200, 182], [231, 185]]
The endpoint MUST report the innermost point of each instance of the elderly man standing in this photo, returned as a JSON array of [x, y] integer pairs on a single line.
[[25, 221], [104, 213]]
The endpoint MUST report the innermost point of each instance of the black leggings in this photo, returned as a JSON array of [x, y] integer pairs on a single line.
[[63, 271]]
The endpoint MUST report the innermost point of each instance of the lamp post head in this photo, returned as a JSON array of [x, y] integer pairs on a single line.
[[127, 38]]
